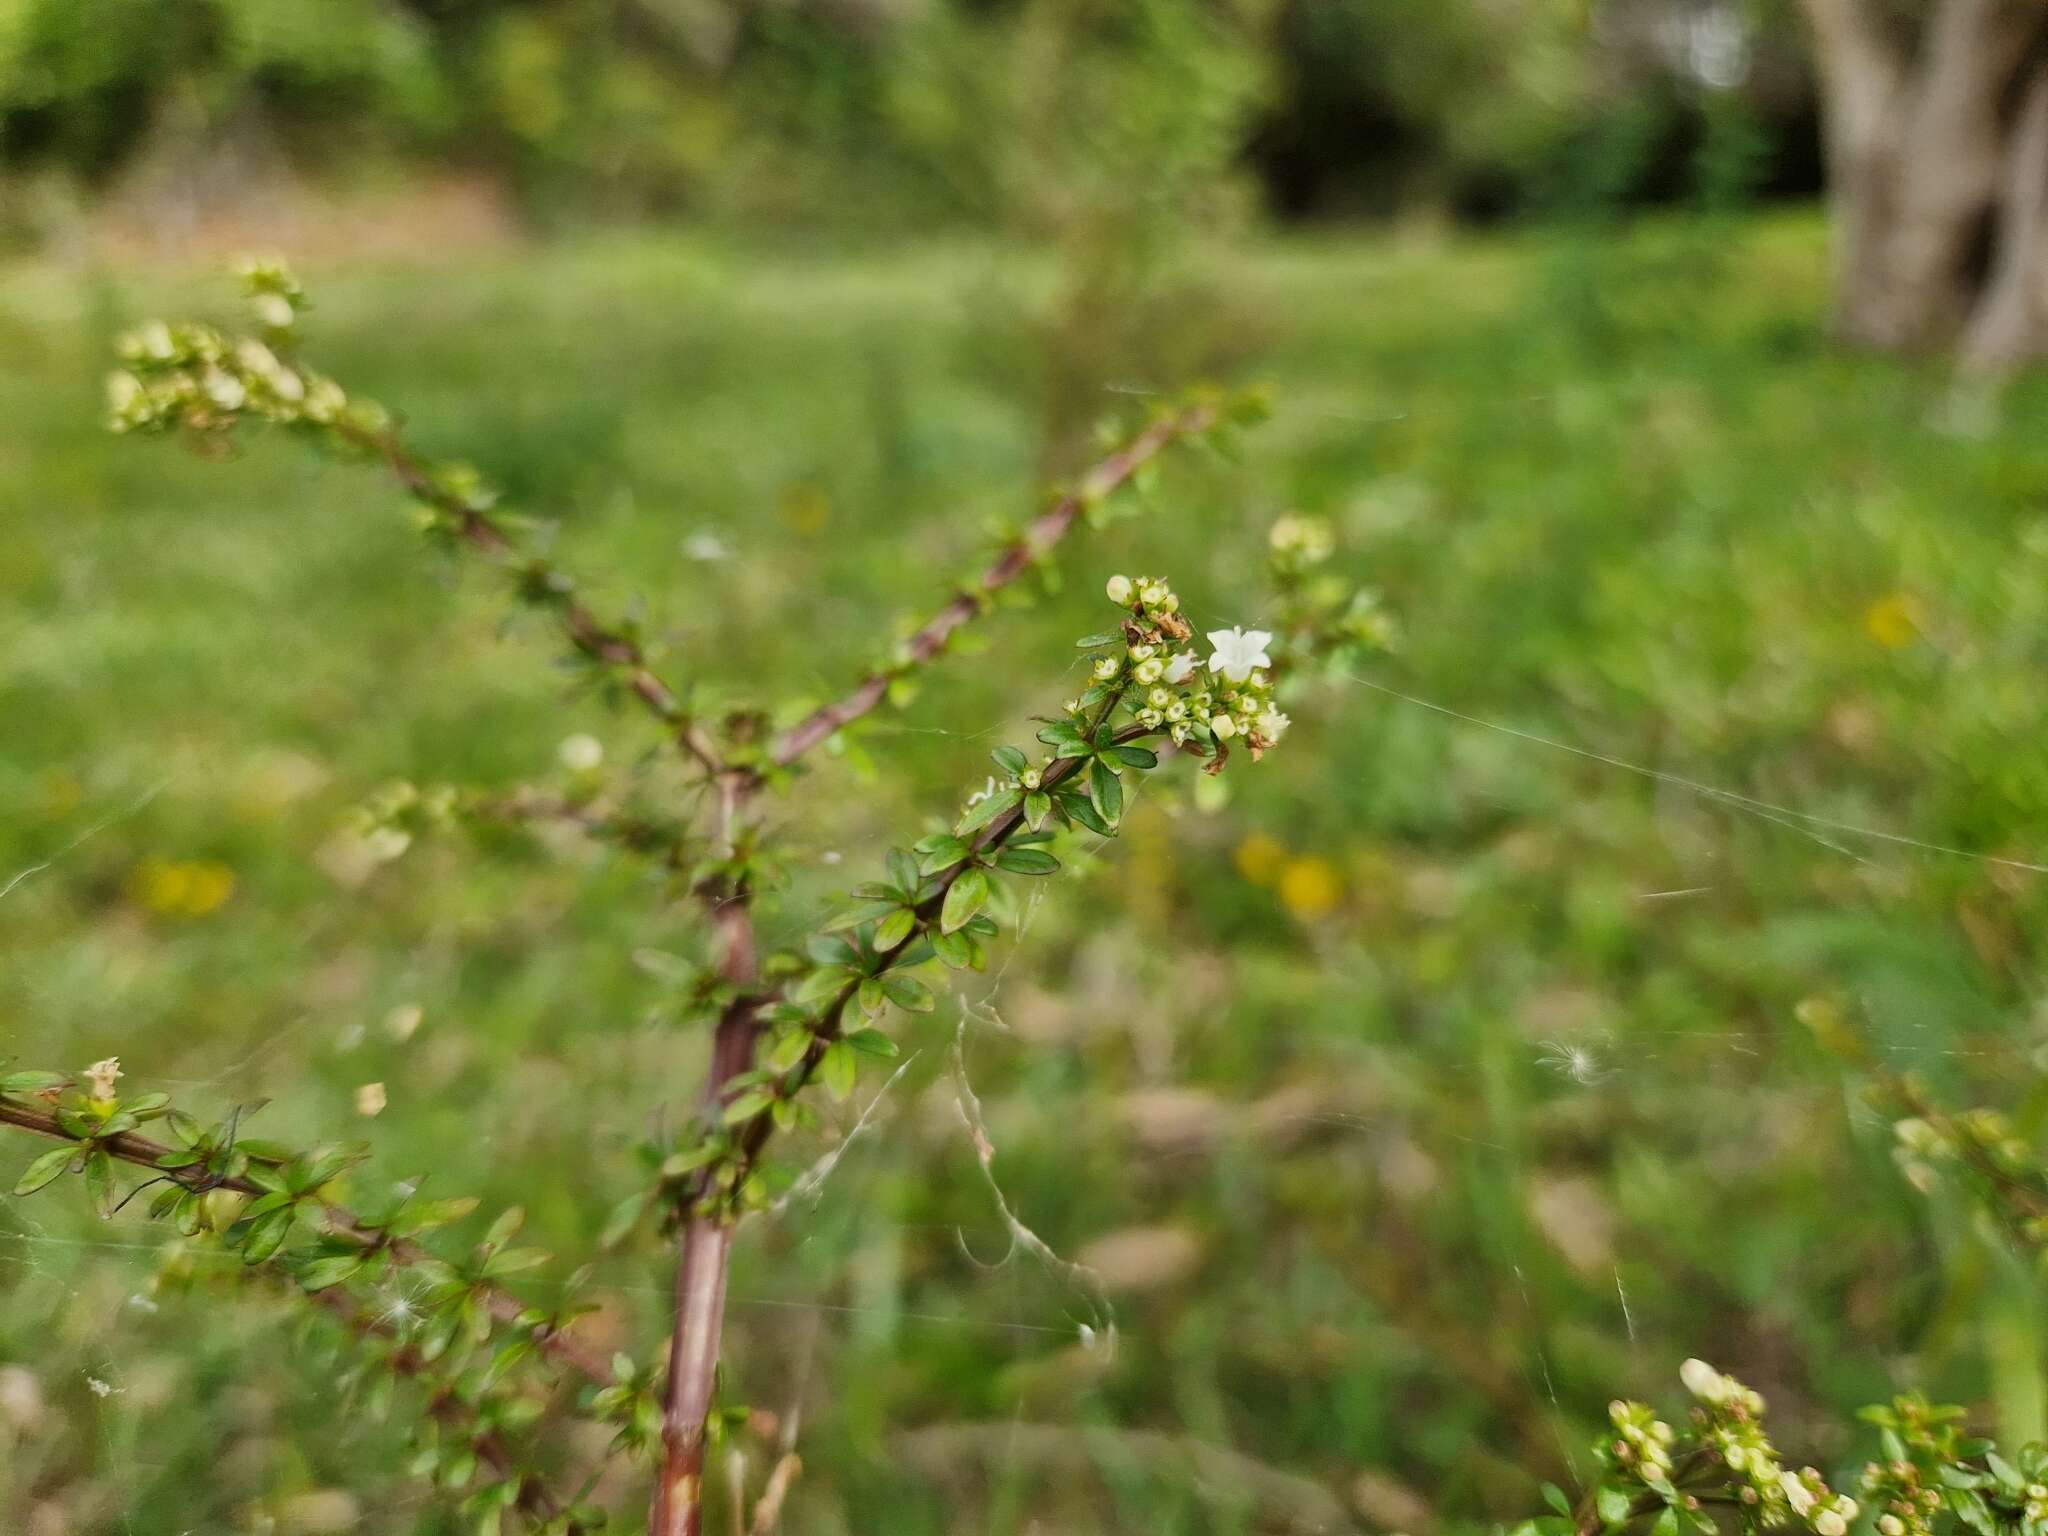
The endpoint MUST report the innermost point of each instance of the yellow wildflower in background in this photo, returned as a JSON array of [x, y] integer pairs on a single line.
[[180, 887], [1894, 622], [1260, 858], [1310, 887]]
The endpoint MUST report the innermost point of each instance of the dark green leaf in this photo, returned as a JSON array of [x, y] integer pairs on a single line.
[[266, 1236], [1026, 861], [1078, 806], [1106, 790]]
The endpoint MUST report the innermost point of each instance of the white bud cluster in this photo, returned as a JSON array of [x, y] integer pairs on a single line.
[[193, 376], [1226, 698], [1642, 1441], [1301, 539]]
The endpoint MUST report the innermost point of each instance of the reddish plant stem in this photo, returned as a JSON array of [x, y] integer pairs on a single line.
[[588, 633], [705, 1245], [1046, 531]]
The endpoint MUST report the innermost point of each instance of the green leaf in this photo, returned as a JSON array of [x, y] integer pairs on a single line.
[[1613, 1504], [1080, 808], [895, 928], [623, 1218], [1026, 861], [321, 1273], [1106, 790], [1096, 642], [509, 1221], [44, 1169], [1554, 1497], [786, 1047], [909, 994], [965, 897], [689, 1158], [267, 1235], [872, 1042], [18, 1084], [99, 1179], [822, 986], [955, 949], [144, 1106], [510, 1261], [1037, 806], [830, 951], [987, 809], [940, 852], [1010, 760], [838, 1068], [747, 1106], [903, 870], [851, 917], [1135, 757], [872, 998]]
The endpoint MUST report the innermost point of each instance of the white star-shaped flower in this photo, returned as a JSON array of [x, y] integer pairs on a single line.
[[1180, 668], [1239, 652]]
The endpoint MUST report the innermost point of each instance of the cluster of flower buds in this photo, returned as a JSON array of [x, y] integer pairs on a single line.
[[1729, 1423], [1298, 541], [1905, 1500], [1321, 610], [1642, 1441], [1170, 688], [390, 819], [1930, 1463], [195, 377]]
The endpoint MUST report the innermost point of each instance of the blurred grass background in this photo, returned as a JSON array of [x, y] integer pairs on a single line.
[[1439, 1087]]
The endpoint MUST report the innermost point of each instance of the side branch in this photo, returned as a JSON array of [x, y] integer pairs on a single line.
[[142, 1152], [1045, 532], [589, 634]]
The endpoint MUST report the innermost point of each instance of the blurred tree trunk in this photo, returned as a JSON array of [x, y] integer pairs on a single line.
[[1937, 144]]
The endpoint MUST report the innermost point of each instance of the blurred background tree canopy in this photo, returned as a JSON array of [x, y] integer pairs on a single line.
[[969, 112]]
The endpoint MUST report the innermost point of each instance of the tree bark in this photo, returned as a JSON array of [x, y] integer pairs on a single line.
[[2008, 327], [1932, 163]]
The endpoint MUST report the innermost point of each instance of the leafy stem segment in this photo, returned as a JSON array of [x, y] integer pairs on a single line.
[[281, 1188], [1036, 542]]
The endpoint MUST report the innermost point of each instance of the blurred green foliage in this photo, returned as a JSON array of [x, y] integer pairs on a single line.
[[867, 114], [1437, 1088]]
